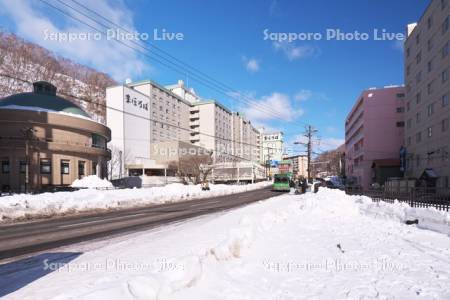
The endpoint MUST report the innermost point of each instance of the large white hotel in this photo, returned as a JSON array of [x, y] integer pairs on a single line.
[[145, 115]]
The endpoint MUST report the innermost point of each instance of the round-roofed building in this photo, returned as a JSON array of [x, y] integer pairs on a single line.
[[47, 141]]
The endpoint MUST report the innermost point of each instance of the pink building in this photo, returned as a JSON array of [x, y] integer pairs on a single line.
[[374, 130]]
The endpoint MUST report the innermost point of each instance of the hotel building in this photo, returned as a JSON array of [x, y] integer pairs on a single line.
[[374, 131], [427, 116]]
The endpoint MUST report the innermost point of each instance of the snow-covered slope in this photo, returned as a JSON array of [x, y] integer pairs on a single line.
[[313, 246]]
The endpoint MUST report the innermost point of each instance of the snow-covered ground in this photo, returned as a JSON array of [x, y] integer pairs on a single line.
[[320, 246], [22, 206]]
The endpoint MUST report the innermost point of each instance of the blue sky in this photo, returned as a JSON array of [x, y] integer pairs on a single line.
[[302, 82]]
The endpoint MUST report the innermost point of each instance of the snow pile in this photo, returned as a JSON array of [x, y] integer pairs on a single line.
[[92, 182], [48, 204], [320, 246], [428, 218]]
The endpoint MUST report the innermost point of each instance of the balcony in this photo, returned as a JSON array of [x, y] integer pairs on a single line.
[[195, 138], [194, 123], [194, 116]]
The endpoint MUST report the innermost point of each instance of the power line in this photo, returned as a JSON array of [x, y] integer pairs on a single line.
[[201, 80], [149, 119]]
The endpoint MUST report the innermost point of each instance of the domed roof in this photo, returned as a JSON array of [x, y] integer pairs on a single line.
[[43, 97]]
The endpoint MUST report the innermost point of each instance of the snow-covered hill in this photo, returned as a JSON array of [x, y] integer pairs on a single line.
[[22, 63]]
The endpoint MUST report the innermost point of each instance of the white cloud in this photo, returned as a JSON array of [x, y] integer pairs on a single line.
[[271, 107], [251, 64], [326, 144], [319, 144], [303, 95], [293, 52], [31, 22]]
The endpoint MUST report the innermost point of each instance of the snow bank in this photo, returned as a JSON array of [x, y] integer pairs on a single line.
[[428, 218], [22, 206], [92, 182], [313, 246]]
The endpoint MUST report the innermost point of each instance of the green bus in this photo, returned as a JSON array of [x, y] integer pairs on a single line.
[[282, 182]]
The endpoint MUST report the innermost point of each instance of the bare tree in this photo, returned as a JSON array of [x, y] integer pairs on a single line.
[[193, 168], [117, 162]]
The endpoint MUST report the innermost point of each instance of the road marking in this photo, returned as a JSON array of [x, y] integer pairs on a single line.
[[99, 221]]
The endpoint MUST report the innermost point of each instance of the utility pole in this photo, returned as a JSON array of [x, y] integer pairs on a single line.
[[28, 133], [309, 133]]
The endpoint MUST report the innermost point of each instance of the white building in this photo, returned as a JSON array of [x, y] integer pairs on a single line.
[[144, 116], [272, 147], [141, 114], [184, 92]]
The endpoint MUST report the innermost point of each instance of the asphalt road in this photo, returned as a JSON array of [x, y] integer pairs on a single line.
[[25, 238]]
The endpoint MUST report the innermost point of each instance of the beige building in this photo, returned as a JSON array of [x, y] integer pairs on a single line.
[[210, 123], [299, 165], [47, 141], [246, 139], [427, 63]]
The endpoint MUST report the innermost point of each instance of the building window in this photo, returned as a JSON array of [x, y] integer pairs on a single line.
[[400, 109], [81, 168], [444, 125], [445, 184], [429, 22], [22, 167], [418, 117], [418, 77], [409, 123], [401, 124], [444, 100], [418, 137], [5, 166], [430, 109], [444, 76], [430, 88], [443, 4], [430, 131], [429, 44], [65, 167], [418, 98], [408, 141], [418, 38], [429, 66], [445, 25], [445, 50], [418, 58], [408, 106], [98, 141], [46, 166], [94, 168]]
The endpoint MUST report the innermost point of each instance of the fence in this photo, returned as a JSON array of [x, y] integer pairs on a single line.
[[415, 197]]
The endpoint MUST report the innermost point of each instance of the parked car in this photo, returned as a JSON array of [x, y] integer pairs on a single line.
[[334, 185]]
